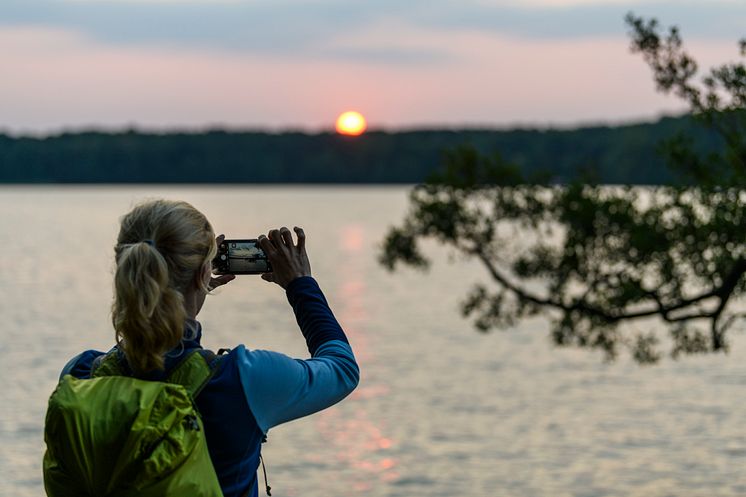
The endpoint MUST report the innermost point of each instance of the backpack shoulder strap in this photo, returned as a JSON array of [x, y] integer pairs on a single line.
[[194, 371], [108, 365]]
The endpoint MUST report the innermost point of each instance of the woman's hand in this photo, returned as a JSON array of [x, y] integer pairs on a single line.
[[289, 261], [223, 278]]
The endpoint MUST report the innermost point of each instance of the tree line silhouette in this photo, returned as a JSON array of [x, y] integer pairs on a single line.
[[620, 154]]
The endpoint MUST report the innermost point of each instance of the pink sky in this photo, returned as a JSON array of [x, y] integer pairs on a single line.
[[56, 77]]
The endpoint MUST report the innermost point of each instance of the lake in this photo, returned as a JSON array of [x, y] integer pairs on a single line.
[[441, 409]]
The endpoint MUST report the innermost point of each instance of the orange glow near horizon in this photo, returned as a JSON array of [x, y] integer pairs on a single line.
[[351, 123]]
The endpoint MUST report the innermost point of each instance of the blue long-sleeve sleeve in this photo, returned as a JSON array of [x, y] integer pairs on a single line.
[[312, 312], [279, 388]]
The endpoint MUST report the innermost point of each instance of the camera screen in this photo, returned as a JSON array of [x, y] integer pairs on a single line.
[[246, 256]]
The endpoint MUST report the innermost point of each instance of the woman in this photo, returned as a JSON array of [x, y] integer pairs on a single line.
[[164, 254]]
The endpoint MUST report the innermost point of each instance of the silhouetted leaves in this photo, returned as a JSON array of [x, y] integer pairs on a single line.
[[589, 256]]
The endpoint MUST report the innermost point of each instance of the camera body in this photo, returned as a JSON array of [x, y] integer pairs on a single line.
[[243, 256]]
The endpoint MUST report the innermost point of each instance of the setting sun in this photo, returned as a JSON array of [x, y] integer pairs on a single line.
[[351, 123]]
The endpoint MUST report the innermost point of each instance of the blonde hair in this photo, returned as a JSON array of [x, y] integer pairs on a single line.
[[161, 249]]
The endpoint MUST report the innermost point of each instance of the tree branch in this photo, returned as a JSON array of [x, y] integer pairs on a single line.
[[723, 292]]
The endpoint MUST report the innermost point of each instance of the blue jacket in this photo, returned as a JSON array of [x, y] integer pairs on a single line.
[[255, 390]]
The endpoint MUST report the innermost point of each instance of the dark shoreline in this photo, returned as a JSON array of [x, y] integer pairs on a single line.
[[620, 154]]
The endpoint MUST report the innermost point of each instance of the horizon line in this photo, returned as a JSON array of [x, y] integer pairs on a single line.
[[309, 130]]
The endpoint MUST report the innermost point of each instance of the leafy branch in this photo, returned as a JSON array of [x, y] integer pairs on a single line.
[[592, 257]]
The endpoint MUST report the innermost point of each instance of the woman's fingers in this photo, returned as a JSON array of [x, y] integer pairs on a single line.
[[220, 280], [267, 245], [282, 239], [289, 261], [287, 236], [301, 237], [224, 278], [276, 238]]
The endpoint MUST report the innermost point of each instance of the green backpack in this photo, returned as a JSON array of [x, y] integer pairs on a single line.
[[118, 436]]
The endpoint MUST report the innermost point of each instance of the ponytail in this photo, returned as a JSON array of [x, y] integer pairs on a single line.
[[146, 310], [162, 246]]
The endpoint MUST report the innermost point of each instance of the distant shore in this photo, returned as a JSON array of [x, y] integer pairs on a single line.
[[619, 154]]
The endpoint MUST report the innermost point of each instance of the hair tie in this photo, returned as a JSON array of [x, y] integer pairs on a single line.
[[149, 242]]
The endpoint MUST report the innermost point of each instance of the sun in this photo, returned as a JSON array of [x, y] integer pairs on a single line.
[[351, 123]]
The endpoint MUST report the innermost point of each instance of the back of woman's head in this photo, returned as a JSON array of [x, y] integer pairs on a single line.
[[161, 249]]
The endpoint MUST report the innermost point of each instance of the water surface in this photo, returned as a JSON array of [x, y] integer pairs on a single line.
[[441, 410]]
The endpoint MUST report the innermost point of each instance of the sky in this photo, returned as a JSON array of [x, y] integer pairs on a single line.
[[297, 64]]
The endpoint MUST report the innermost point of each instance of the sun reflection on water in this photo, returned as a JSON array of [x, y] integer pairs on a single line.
[[361, 442]]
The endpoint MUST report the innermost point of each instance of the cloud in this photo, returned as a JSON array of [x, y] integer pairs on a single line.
[[585, 19], [264, 26], [54, 78], [288, 28], [280, 63]]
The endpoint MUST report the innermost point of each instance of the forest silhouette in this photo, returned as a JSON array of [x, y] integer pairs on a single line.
[[622, 154]]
